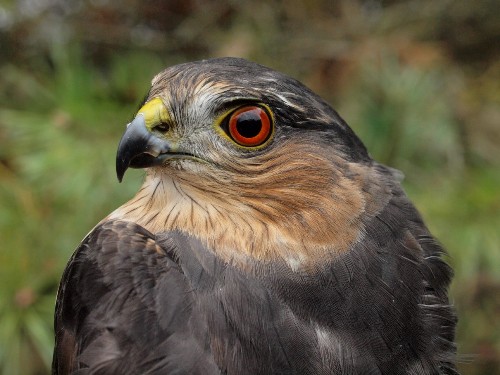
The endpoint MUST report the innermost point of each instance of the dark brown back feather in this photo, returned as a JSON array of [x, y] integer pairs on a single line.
[[133, 303]]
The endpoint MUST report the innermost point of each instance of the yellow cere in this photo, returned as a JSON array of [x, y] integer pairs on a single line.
[[154, 113]]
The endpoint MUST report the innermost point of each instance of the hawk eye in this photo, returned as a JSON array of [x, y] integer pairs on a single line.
[[162, 127], [249, 126]]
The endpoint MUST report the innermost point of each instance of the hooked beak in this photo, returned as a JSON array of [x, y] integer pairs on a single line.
[[140, 148]]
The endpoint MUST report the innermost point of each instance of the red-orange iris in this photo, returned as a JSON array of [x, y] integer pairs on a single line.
[[250, 126]]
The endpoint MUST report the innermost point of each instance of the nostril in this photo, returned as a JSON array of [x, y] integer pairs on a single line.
[[162, 127]]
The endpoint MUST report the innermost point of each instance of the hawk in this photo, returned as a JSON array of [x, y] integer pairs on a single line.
[[264, 240]]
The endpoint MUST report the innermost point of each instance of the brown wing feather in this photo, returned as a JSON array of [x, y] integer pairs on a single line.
[[124, 308]]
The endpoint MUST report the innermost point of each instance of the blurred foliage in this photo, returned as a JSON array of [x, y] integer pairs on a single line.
[[419, 81]]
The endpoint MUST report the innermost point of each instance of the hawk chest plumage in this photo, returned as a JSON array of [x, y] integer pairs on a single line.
[[264, 240]]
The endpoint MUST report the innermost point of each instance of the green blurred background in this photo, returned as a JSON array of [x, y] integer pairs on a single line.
[[419, 81]]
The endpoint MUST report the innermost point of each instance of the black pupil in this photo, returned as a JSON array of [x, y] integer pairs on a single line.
[[248, 124]]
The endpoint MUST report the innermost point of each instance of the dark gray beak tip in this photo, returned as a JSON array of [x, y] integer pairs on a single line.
[[119, 173], [139, 148], [123, 158], [131, 144]]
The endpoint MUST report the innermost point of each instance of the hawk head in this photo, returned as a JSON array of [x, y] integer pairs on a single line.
[[275, 242], [250, 161]]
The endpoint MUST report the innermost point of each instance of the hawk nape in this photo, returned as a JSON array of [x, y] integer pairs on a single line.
[[265, 240]]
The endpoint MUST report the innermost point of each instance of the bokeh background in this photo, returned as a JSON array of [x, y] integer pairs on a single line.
[[419, 81]]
